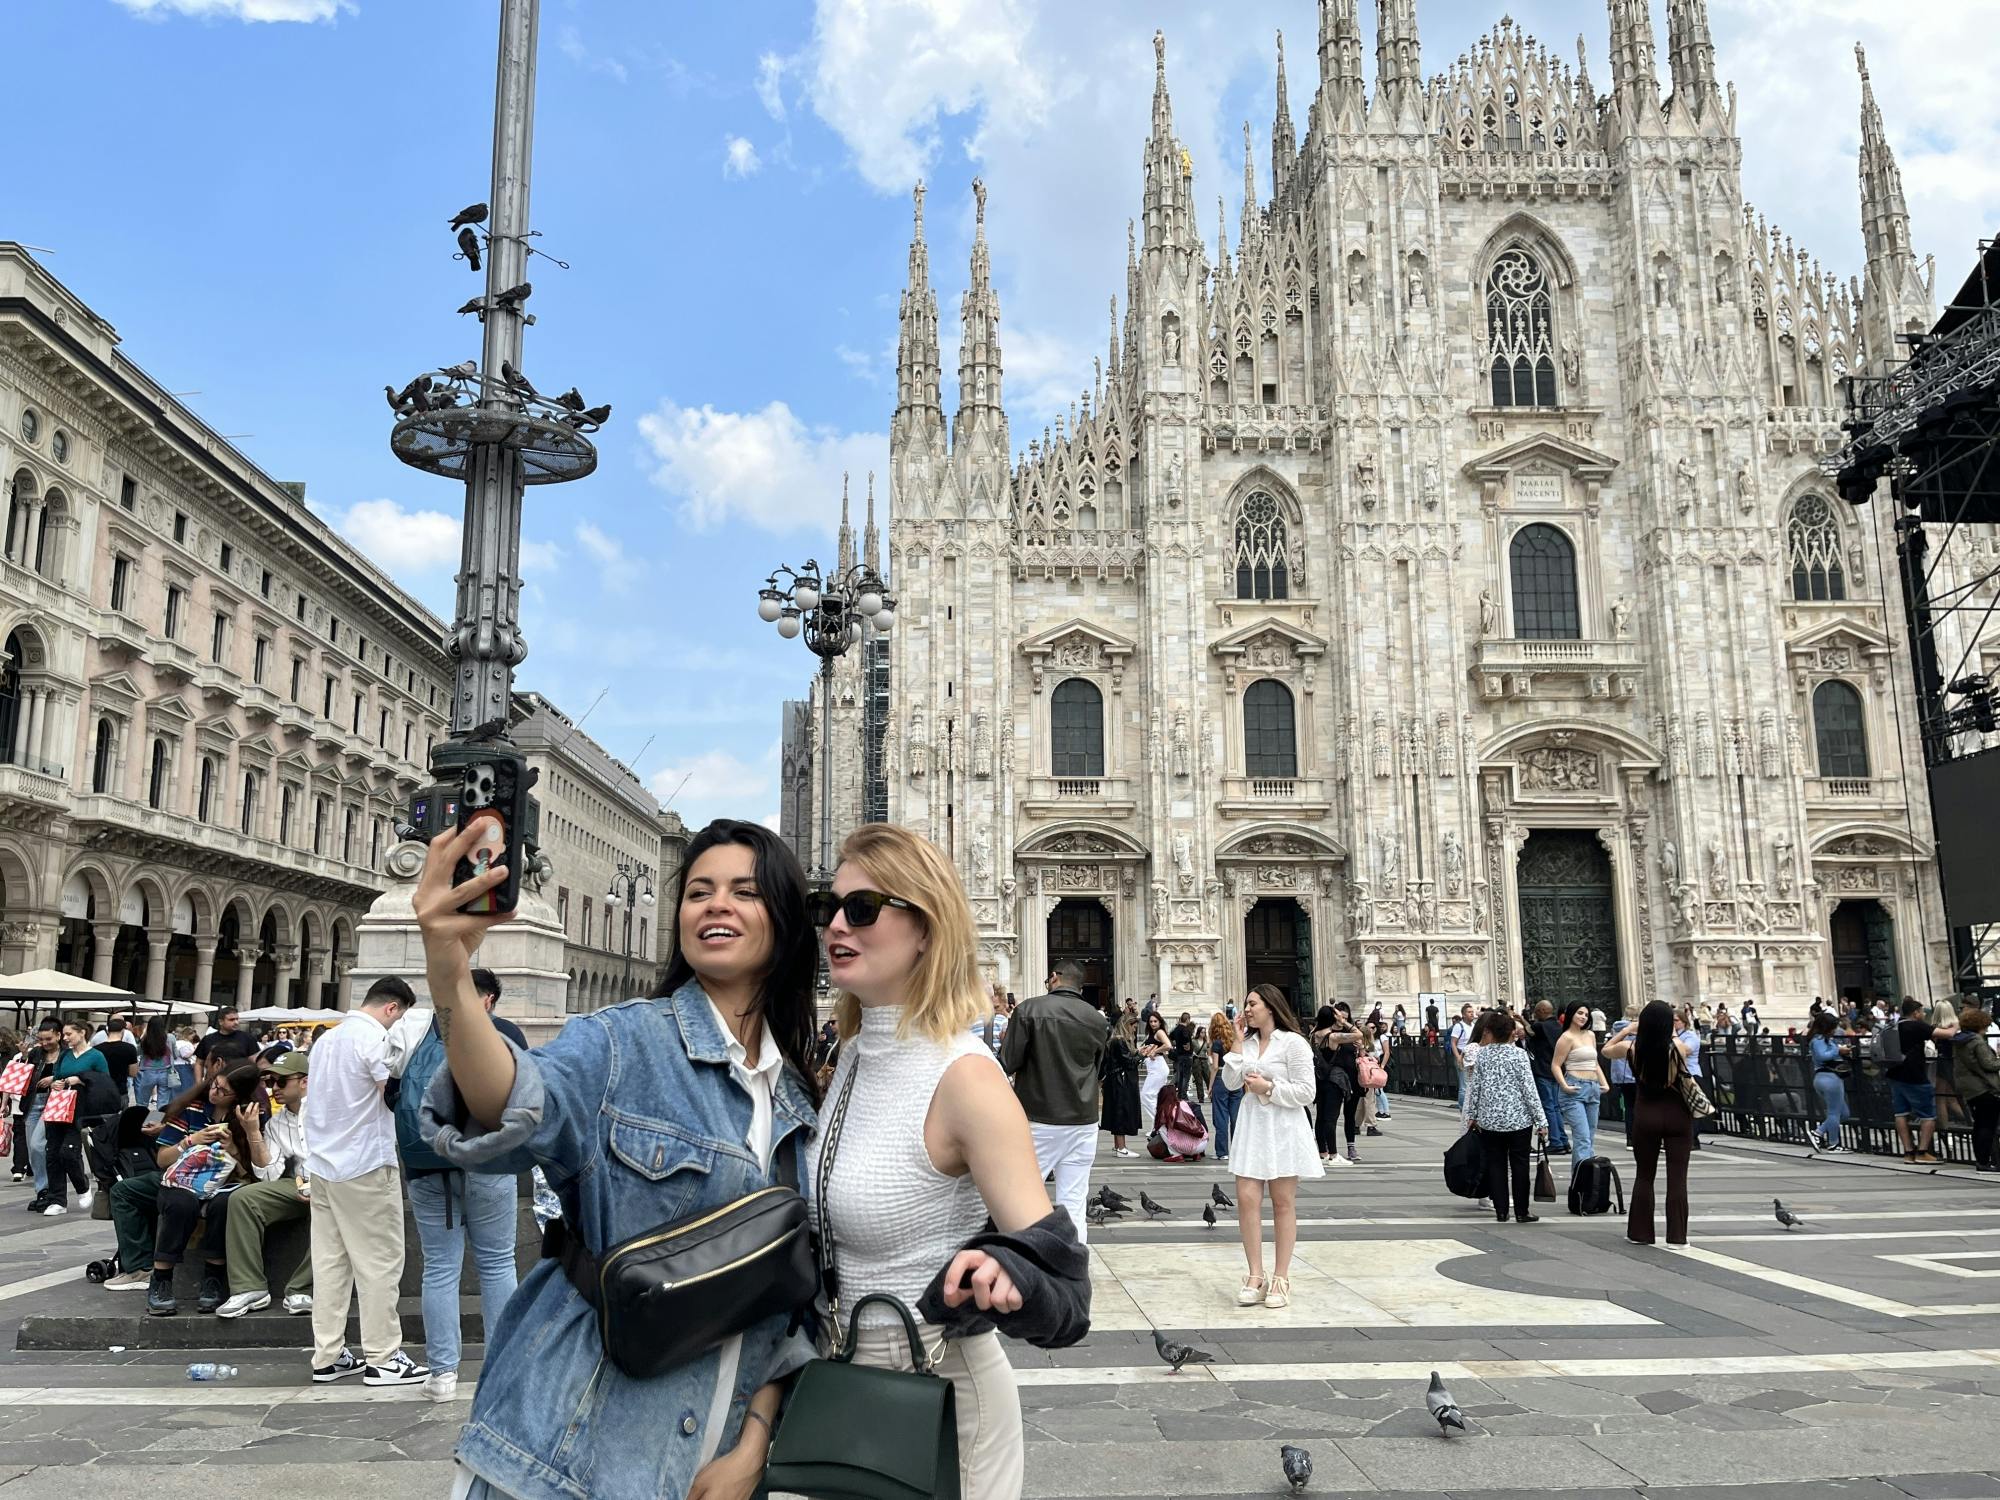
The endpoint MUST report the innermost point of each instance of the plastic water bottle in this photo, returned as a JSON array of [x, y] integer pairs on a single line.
[[207, 1371]]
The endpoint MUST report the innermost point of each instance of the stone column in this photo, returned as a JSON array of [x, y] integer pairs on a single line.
[[315, 978], [37, 717], [288, 971], [106, 934], [246, 974], [204, 968], [22, 712], [156, 964]]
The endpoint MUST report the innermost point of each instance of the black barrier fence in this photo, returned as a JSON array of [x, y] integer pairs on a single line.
[[1762, 1087]]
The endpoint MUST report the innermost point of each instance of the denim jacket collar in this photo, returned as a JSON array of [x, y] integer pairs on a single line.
[[706, 1043]]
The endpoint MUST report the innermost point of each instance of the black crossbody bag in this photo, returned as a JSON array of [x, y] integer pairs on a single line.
[[667, 1296]]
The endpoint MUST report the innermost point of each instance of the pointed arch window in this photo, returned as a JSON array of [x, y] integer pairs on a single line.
[[1543, 568], [1076, 725], [1262, 571], [1839, 734], [1270, 738], [1813, 540], [1520, 332]]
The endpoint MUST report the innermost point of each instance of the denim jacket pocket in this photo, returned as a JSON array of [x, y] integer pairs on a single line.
[[662, 1154]]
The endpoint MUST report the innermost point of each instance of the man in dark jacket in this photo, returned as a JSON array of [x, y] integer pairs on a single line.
[[1054, 1052], [1543, 1034]]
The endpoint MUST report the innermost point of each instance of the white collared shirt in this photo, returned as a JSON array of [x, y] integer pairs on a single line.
[[758, 1082]]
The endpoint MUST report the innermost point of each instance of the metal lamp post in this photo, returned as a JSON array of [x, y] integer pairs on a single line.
[[829, 611], [631, 888], [484, 423]]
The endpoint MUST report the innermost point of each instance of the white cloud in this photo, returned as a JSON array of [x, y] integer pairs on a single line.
[[540, 557], [739, 157], [616, 569], [580, 52], [401, 541], [715, 784], [240, 10], [770, 84], [860, 364], [765, 467]]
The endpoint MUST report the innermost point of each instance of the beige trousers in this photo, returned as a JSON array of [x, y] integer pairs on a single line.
[[357, 1250], [992, 1454]]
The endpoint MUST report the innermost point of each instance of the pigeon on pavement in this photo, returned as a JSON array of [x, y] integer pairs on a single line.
[[1208, 1214], [1785, 1216], [1153, 1210], [1438, 1402], [1112, 1200], [1221, 1200], [1298, 1465], [1180, 1354]]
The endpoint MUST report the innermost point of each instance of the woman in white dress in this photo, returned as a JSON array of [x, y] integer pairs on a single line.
[[1155, 1050], [925, 1157], [1272, 1144]]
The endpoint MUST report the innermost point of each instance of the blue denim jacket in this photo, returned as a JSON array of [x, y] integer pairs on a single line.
[[634, 1119]]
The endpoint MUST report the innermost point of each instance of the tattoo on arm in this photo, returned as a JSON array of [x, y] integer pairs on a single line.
[[444, 1024]]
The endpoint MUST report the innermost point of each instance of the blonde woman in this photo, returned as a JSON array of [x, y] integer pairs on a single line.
[[1223, 1100], [922, 1143], [1273, 1143]]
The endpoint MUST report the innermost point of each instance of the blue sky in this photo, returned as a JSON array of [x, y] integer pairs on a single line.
[[255, 192]]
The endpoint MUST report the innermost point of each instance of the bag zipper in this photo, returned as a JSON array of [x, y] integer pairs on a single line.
[[610, 1261]]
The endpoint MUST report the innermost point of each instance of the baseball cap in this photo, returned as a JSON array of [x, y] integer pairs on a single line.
[[293, 1064]]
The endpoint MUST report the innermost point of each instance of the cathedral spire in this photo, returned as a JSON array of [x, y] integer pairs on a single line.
[[979, 341], [1399, 68], [1632, 70], [1284, 139], [1894, 296], [1221, 238], [918, 409], [1584, 92], [1340, 64], [1249, 229], [1169, 169], [1111, 363], [871, 539], [1691, 53], [846, 531]]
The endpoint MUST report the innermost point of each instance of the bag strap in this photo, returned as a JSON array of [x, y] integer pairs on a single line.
[[919, 1356], [829, 1147]]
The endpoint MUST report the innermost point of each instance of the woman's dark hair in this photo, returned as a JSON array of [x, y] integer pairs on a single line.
[[155, 1043], [246, 1085], [1279, 1007], [1493, 1026], [786, 995], [1569, 1012], [1325, 1017], [1823, 1023], [1653, 1047]]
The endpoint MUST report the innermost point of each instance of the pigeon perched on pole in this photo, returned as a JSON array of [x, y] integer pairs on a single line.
[[514, 296], [1153, 1210], [1786, 1217], [1219, 1198], [476, 305], [1298, 1466], [516, 381], [571, 398], [472, 213], [468, 246], [597, 416], [1438, 1402], [465, 369], [1180, 1354], [1208, 1214]]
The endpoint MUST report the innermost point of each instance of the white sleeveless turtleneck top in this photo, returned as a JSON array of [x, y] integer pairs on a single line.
[[896, 1219]]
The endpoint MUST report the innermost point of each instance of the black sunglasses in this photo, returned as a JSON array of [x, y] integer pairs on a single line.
[[861, 908]]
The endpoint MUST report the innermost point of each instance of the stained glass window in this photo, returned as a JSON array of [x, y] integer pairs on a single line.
[[1520, 332]]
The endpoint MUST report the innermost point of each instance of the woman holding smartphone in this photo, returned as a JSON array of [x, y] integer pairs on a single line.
[[1272, 1147], [643, 1116]]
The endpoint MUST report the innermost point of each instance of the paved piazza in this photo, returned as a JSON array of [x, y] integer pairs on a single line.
[[1857, 1357]]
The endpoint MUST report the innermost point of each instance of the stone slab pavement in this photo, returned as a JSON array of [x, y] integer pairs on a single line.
[[1858, 1357]]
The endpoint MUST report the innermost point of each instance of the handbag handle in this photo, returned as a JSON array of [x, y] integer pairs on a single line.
[[919, 1356]]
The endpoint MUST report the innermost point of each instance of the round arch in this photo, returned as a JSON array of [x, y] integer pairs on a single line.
[[1245, 842], [1079, 836], [286, 923], [1630, 751], [159, 908]]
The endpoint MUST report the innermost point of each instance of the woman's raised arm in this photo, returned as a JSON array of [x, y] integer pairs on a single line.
[[481, 1062]]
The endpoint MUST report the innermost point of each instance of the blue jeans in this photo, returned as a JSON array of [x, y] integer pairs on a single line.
[[1833, 1094], [1552, 1098], [1579, 1114], [1381, 1104], [161, 1078], [1223, 1104], [483, 1206]]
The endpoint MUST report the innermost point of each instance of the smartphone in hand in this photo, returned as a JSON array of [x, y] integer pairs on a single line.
[[493, 799]]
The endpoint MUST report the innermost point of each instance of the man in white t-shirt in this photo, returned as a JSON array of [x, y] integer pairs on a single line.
[[357, 1195]]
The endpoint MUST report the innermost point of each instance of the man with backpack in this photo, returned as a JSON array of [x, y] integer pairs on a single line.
[[451, 1207], [1902, 1046]]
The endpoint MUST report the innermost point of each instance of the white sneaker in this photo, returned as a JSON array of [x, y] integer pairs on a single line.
[[442, 1386], [85, 1199], [1122, 1151], [243, 1302], [397, 1369], [298, 1304], [1335, 1161], [54, 1211], [129, 1281]]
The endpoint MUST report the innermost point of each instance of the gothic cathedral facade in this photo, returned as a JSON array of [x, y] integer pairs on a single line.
[[1438, 593]]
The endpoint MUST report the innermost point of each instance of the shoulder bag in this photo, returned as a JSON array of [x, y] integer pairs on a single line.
[[855, 1432], [1545, 1179], [1689, 1088], [665, 1297]]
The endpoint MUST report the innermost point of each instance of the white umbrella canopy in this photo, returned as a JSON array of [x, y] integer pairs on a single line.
[[54, 985]]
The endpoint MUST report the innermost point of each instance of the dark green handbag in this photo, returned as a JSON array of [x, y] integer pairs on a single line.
[[854, 1432]]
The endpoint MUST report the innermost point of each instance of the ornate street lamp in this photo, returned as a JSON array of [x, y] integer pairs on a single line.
[[829, 610], [632, 889]]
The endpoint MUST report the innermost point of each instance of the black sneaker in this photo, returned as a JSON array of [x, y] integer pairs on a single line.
[[211, 1294], [398, 1369], [1373, 1131], [160, 1295], [340, 1369]]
